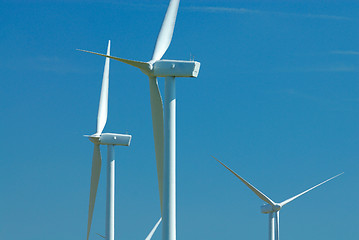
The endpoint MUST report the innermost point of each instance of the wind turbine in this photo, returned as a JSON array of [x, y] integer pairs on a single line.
[[164, 122], [111, 140], [272, 208]]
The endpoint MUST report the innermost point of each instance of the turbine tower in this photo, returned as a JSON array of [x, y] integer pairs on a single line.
[[272, 208], [164, 116]]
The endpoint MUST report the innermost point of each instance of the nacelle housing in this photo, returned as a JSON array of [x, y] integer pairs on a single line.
[[115, 139], [175, 68], [267, 208]]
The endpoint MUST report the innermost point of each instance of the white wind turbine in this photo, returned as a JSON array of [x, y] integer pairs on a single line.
[[164, 122], [272, 208], [111, 140]]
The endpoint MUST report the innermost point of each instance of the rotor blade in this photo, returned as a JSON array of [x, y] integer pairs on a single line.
[[101, 236], [300, 194], [157, 123], [165, 36], [137, 64], [95, 176], [103, 105], [277, 225], [153, 230], [255, 190]]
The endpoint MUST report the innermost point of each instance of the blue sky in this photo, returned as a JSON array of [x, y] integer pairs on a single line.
[[277, 99]]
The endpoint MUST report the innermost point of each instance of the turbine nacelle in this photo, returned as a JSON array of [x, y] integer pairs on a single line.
[[267, 208], [110, 139], [174, 68]]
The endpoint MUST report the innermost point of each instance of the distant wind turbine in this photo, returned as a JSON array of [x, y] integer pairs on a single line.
[[272, 208], [164, 122], [111, 140]]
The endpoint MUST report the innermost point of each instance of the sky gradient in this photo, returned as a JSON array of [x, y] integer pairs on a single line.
[[276, 99]]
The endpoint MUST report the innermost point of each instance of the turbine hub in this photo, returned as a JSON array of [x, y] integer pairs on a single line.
[[267, 208], [95, 138], [277, 207]]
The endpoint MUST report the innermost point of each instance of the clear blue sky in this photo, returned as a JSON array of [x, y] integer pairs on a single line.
[[277, 99]]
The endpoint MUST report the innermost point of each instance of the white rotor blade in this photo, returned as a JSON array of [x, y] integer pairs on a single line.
[[165, 36], [138, 64], [95, 176], [296, 196], [255, 190], [103, 106], [157, 123], [153, 230], [277, 225], [101, 236]]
